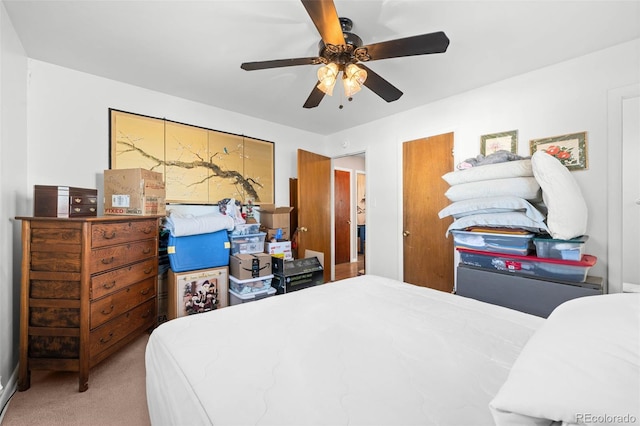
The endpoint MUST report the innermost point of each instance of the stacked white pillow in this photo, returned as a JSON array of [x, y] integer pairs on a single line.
[[496, 195], [566, 208]]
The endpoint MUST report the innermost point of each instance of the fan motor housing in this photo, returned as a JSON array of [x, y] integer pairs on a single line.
[[341, 54]]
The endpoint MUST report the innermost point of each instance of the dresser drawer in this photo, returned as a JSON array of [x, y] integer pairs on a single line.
[[110, 282], [121, 301], [112, 257], [79, 198], [109, 334], [84, 210], [110, 233]]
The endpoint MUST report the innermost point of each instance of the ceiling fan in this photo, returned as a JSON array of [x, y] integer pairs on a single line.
[[340, 50]]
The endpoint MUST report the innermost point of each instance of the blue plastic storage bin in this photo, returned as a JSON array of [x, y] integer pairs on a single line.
[[200, 251]]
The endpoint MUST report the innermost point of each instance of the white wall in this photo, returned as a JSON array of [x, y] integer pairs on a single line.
[[68, 139], [564, 98], [13, 184]]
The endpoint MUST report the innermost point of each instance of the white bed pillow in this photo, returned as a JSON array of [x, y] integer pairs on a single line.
[[522, 187], [566, 209], [507, 169], [582, 364], [499, 204], [516, 220]]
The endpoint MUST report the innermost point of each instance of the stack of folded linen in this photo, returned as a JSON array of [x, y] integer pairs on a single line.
[[538, 194], [499, 195]]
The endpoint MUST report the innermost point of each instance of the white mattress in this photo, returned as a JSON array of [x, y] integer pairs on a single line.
[[362, 351]]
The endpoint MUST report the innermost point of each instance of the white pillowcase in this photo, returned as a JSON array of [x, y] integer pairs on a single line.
[[507, 169], [566, 209], [582, 366], [516, 220], [522, 187], [500, 204]]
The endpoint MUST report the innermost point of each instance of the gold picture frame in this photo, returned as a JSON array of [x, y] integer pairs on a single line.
[[199, 165], [507, 141], [570, 149]]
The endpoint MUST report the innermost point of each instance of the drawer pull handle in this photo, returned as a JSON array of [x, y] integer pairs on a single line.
[[92, 209], [103, 340], [145, 291], [77, 200], [108, 237], [146, 250], [77, 209], [107, 261], [112, 284], [103, 312], [148, 271], [92, 200], [147, 230], [146, 314]]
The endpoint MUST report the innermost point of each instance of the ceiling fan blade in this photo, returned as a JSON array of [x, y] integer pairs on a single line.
[[314, 98], [278, 63], [325, 17], [410, 46], [380, 86]]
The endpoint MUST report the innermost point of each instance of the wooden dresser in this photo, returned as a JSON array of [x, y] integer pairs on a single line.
[[88, 288]]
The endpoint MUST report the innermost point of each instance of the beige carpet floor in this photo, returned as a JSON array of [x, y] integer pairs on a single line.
[[116, 394]]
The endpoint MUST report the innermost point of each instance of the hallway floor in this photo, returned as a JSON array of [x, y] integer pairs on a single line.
[[350, 269]]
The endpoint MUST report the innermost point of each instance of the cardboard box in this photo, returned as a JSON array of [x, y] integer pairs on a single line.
[[134, 192], [246, 266], [271, 233], [281, 249], [194, 292], [274, 217], [292, 275]]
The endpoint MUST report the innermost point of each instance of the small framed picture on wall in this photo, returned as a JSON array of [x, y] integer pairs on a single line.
[[570, 149], [503, 141]]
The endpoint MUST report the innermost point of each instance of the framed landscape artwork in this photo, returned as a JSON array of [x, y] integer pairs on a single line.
[[199, 165], [570, 149]]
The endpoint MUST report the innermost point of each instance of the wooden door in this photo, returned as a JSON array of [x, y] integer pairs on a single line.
[[342, 191], [314, 206], [428, 254]]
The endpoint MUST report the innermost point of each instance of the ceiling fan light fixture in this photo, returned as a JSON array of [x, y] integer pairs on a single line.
[[327, 76], [353, 79]]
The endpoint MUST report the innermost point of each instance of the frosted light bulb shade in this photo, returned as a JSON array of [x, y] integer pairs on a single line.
[[351, 86], [327, 78], [354, 72]]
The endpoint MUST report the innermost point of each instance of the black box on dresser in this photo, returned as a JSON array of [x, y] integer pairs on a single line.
[[64, 201]]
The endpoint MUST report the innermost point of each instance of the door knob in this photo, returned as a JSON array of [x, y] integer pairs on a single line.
[[638, 201], [303, 229], [405, 233]]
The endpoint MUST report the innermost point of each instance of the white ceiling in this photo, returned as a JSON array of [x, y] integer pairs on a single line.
[[193, 49]]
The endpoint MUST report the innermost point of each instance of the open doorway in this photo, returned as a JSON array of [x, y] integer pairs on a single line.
[[349, 215]]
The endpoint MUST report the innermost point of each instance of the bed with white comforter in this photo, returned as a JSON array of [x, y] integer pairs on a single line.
[[362, 351]]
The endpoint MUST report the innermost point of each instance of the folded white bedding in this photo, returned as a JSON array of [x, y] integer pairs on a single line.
[[516, 220], [505, 170], [522, 187], [180, 225], [500, 204]]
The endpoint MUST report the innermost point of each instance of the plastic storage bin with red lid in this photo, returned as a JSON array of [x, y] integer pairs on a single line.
[[548, 268]]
